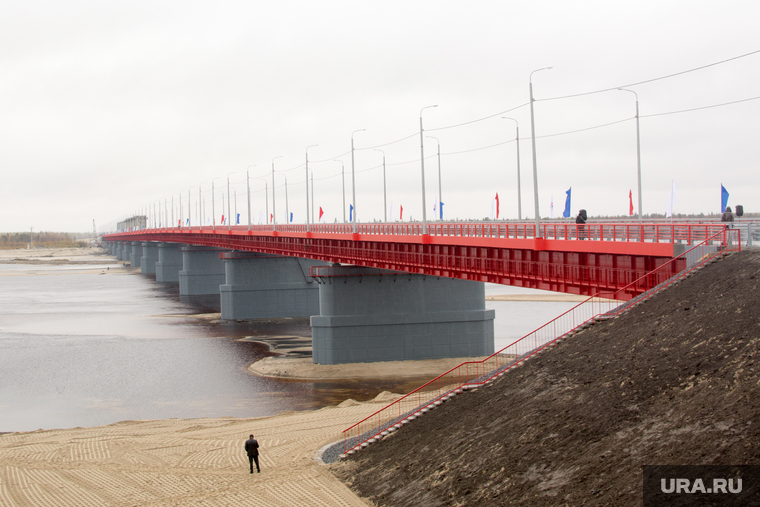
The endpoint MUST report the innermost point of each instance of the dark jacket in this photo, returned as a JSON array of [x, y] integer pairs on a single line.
[[581, 218], [252, 447], [727, 217]]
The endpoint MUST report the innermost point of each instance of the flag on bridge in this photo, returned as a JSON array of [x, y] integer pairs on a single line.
[[440, 208], [261, 217], [390, 216], [188, 222], [723, 198], [350, 212], [238, 219], [672, 202], [321, 215], [566, 212], [495, 207], [401, 213], [222, 219], [291, 217], [551, 207], [630, 202]]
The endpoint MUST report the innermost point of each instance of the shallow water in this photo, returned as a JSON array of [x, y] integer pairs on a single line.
[[79, 348]]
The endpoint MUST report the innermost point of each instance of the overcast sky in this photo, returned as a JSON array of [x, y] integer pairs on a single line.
[[108, 108]]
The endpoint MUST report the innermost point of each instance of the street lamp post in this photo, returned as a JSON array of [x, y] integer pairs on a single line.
[[517, 140], [229, 203], [213, 210], [308, 227], [638, 149], [533, 140], [274, 213], [353, 182], [312, 195], [385, 194], [343, 176], [440, 206], [248, 189], [422, 170]]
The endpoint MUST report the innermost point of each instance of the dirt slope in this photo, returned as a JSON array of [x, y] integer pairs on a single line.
[[671, 382]]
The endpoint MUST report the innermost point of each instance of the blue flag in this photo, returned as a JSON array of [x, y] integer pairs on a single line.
[[238, 219], [566, 213], [291, 216], [441, 210], [350, 212], [723, 198]]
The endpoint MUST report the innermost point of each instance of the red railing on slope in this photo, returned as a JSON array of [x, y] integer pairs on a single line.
[[474, 373]]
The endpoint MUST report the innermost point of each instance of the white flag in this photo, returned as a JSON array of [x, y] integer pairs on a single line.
[[672, 202], [551, 207]]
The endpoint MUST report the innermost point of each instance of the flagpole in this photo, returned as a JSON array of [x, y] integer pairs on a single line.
[[638, 149], [343, 176], [274, 213]]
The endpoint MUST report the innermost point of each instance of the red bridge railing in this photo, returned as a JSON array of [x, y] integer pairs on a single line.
[[475, 373], [613, 231]]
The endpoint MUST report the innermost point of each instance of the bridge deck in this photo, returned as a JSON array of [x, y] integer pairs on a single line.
[[598, 257]]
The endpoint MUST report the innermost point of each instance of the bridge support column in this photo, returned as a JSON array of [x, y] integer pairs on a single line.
[[169, 263], [149, 258], [126, 250], [135, 256], [369, 315], [261, 286], [118, 250], [202, 273]]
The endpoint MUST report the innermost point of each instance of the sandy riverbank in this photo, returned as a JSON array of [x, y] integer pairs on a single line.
[[58, 256], [181, 462]]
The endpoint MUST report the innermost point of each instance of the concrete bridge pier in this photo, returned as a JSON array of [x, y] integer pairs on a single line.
[[260, 286], [369, 315], [117, 250], [135, 256], [126, 250], [169, 263], [202, 274], [149, 258]]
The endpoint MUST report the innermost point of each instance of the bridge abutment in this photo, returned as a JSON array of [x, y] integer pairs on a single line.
[[169, 263], [261, 286], [149, 258], [369, 315]]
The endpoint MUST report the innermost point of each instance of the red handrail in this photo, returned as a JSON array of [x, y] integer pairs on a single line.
[[474, 373]]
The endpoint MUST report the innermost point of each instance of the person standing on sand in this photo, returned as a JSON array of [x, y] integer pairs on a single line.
[[252, 448]]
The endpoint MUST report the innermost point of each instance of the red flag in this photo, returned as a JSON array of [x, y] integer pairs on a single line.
[[497, 204], [401, 213], [321, 213], [271, 217], [222, 219], [630, 202]]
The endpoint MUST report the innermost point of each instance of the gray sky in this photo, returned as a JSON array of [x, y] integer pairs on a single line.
[[109, 107]]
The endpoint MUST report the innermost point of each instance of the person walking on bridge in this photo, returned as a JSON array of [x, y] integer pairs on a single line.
[[252, 449], [581, 221]]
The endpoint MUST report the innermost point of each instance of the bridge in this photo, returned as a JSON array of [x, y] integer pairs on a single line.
[[270, 270]]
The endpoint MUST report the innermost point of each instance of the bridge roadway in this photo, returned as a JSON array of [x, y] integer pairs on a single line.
[[598, 258]]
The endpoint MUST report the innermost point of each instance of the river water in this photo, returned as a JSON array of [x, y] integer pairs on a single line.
[[85, 346]]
